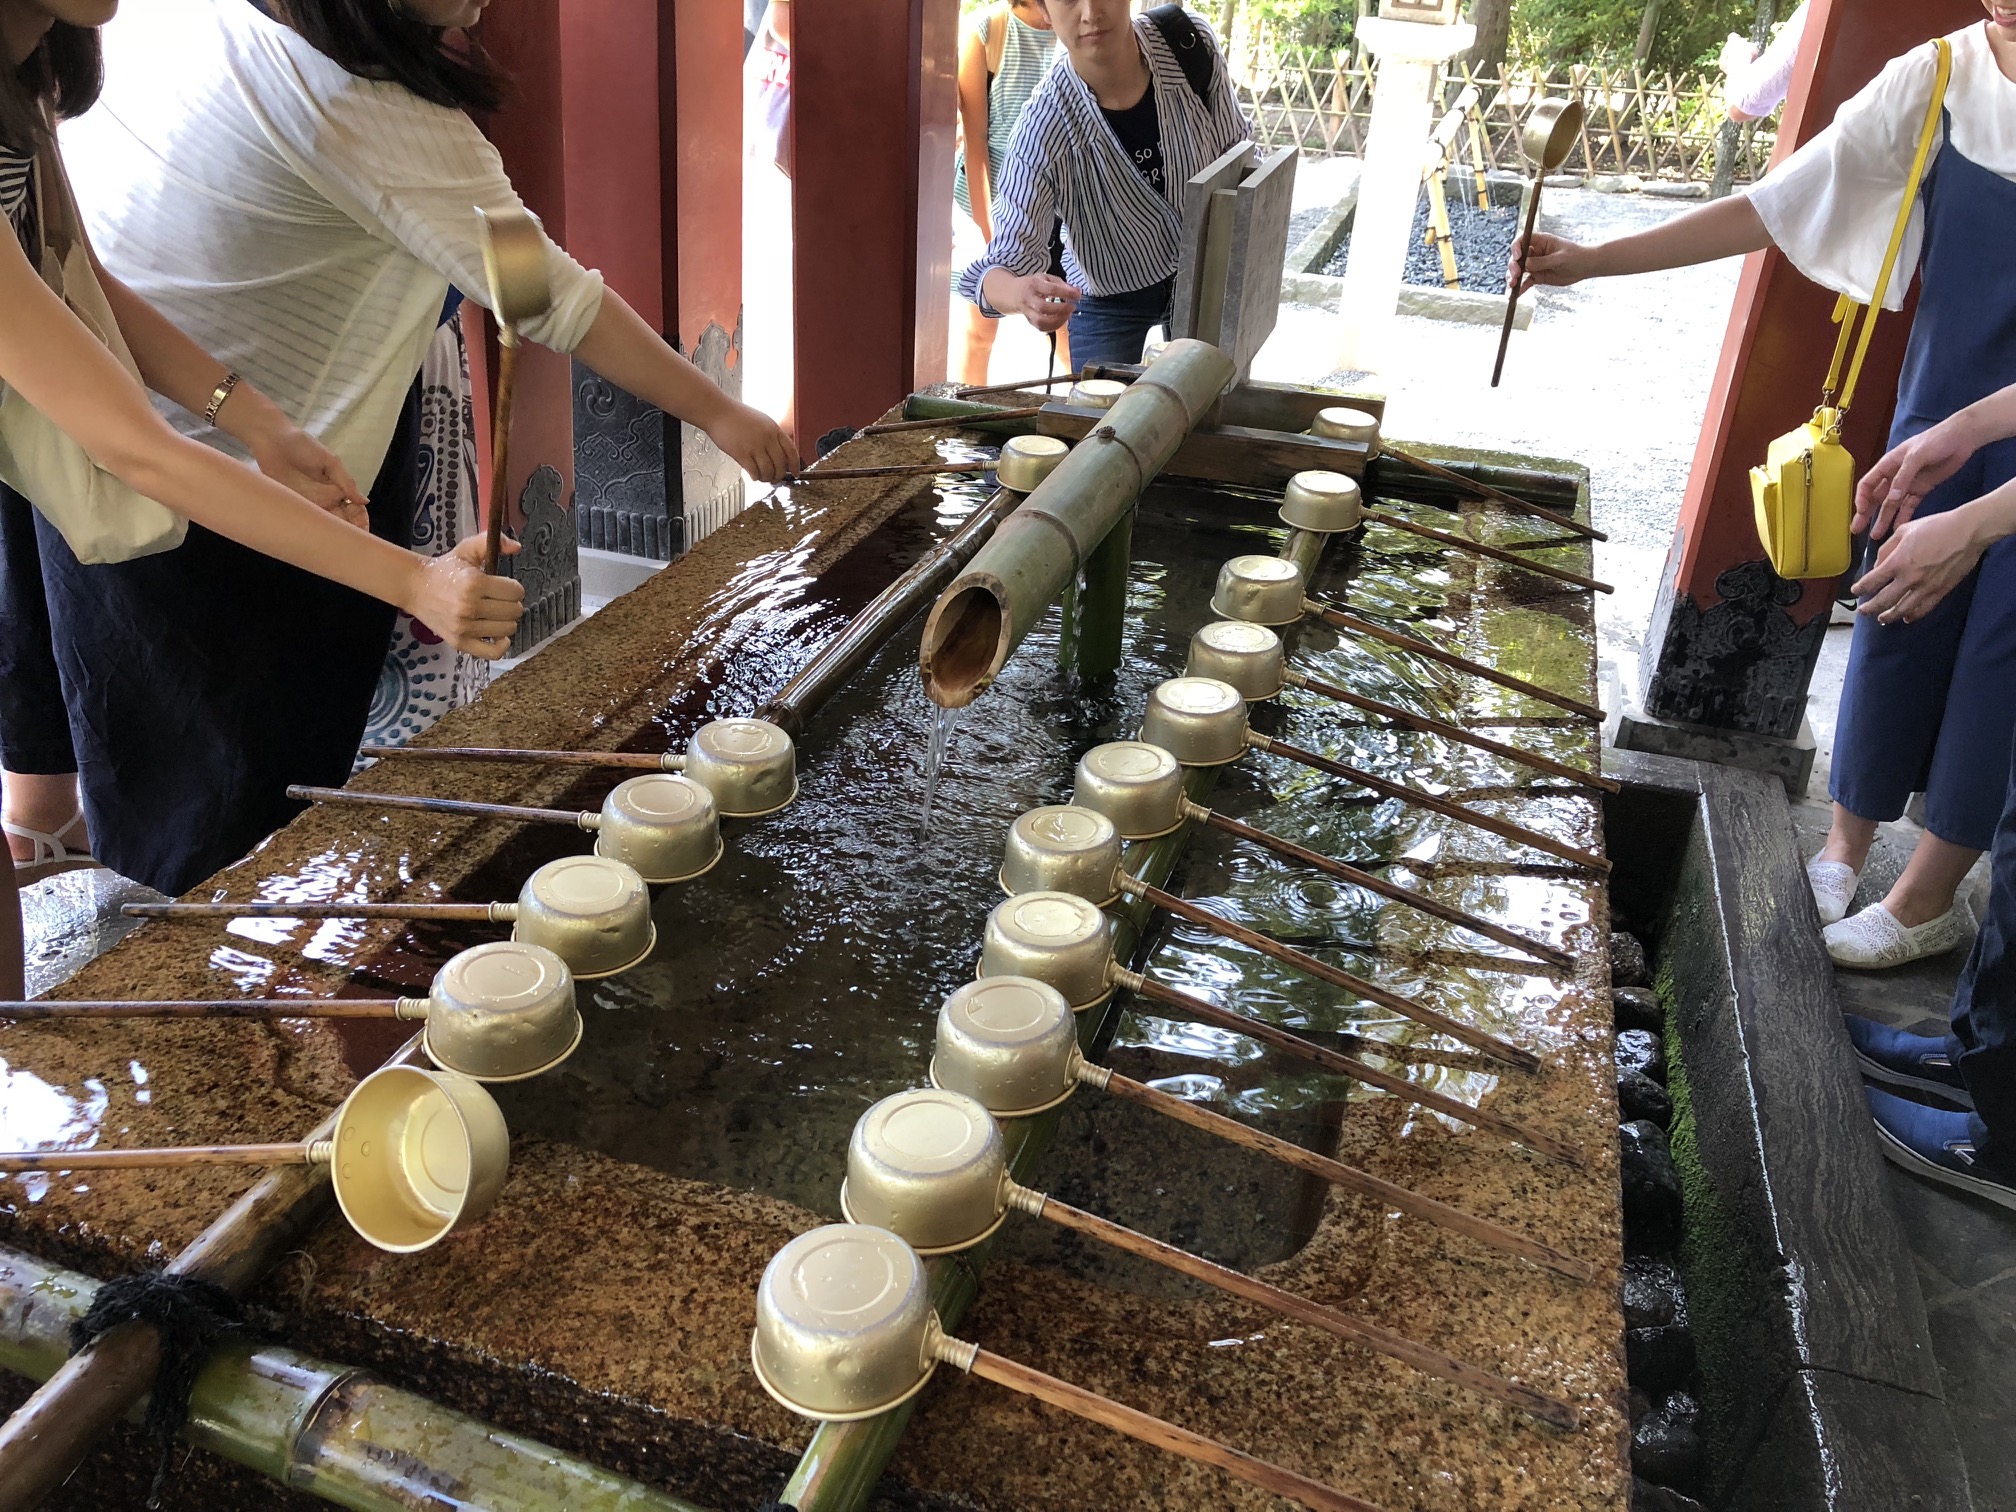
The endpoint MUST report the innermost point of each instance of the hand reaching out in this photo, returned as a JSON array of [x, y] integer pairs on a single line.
[[466, 606], [1541, 259], [755, 441], [296, 460]]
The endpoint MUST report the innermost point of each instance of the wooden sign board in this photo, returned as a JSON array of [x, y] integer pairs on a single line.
[[1255, 257], [1225, 173]]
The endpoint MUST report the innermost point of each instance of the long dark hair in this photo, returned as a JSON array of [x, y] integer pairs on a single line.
[[376, 39], [63, 75]]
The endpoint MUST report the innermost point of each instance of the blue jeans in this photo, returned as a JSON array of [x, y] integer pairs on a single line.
[[1110, 328]]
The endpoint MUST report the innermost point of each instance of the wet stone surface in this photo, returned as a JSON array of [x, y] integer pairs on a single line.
[[605, 1304]]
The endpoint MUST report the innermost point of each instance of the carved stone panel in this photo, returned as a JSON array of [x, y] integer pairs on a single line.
[[548, 563]]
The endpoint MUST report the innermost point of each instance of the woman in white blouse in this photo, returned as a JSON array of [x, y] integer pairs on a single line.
[[297, 190], [1926, 706]]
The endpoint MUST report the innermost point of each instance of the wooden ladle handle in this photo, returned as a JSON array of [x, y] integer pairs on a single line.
[[1153, 1430], [438, 805], [1512, 294], [170, 1155]]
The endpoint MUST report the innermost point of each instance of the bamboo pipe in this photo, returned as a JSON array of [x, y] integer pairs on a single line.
[[983, 616], [1479, 489], [40, 1011], [1343, 871], [1489, 1044], [1331, 1060], [1149, 1430], [1479, 548], [1344, 620], [1425, 725], [1384, 1341], [892, 427], [44, 1440], [1345, 1177], [1490, 823]]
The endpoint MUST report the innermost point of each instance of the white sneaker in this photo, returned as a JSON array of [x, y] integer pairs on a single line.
[[1834, 884], [1873, 938]]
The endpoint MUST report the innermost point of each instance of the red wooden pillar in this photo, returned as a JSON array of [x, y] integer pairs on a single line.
[[1731, 645], [873, 99]]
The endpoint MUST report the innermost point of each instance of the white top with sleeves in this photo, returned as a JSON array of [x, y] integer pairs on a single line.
[[301, 224], [1831, 206], [1761, 88], [1065, 163]]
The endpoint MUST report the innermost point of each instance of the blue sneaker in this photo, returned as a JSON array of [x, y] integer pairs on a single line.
[[1938, 1145], [1918, 1061]]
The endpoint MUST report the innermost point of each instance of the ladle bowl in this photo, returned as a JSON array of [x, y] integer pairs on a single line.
[[1010, 1044], [1097, 393], [749, 765], [1055, 937], [1343, 423], [1027, 460], [930, 1166], [502, 1012], [592, 912], [1262, 590], [1198, 720], [1136, 785], [844, 1324], [1550, 132], [1323, 503], [664, 825], [416, 1154], [1062, 848], [514, 265], [1249, 657]]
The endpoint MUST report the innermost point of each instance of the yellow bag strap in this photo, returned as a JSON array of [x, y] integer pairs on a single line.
[[1844, 309]]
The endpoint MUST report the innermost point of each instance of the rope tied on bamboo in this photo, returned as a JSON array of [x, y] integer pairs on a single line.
[[191, 1315]]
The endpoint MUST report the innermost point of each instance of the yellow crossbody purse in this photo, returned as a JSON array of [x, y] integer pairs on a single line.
[[1805, 492]]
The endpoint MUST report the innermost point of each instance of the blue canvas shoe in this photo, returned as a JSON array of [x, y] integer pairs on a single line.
[[1919, 1061], [1939, 1146]]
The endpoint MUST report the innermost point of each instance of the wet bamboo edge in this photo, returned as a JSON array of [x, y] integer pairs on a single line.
[[1421, 1357], [1344, 620]]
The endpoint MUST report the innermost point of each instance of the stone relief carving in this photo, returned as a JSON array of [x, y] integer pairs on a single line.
[[1743, 664], [548, 563]]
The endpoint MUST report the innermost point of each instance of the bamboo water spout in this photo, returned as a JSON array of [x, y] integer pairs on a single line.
[[983, 616], [1010, 1044], [929, 1166]]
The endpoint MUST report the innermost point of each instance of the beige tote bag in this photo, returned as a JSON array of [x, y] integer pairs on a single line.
[[100, 518]]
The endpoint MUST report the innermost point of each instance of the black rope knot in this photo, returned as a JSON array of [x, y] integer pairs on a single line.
[[191, 1315]]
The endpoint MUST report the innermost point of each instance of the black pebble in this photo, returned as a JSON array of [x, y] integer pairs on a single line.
[[1666, 1447], [1640, 1050], [1638, 1096], [1638, 1008], [1659, 1359], [1653, 1296], [1646, 1497], [1651, 1188], [1627, 961]]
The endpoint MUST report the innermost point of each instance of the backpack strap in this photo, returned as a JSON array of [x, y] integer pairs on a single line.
[[1196, 57], [996, 21]]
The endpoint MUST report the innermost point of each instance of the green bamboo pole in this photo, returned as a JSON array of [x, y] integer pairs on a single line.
[[1095, 606], [331, 1431]]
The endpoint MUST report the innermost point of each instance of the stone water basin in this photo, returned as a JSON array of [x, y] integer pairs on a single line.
[[605, 1305]]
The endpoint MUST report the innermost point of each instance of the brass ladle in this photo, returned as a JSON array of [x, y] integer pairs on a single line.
[[749, 765], [1548, 138], [1011, 1044], [845, 1330], [514, 266], [665, 826], [593, 913], [415, 1155], [1065, 849], [931, 1167], [498, 1012], [1064, 940], [1202, 722], [1265, 590], [1140, 788]]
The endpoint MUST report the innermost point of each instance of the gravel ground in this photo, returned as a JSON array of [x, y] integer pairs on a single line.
[[1483, 244], [1613, 374]]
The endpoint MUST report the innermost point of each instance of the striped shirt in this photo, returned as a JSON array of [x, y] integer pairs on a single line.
[[300, 224], [1026, 56], [17, 181], [1064, 162]]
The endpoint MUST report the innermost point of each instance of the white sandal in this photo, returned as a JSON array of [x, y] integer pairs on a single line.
[[51, 854]]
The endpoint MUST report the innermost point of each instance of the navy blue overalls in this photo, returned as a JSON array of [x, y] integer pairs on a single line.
[[1930, 706]]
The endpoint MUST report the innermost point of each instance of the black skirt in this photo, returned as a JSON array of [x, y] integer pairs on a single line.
[[190, 688]]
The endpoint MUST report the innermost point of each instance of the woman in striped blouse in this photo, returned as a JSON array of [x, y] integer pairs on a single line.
[[1108, 144], [298, 190]]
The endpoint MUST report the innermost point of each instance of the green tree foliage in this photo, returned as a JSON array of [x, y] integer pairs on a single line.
[[1689, 33], [1298, 23]]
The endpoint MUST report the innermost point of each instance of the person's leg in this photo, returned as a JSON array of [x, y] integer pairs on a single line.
[[38, 770], [978, 350]]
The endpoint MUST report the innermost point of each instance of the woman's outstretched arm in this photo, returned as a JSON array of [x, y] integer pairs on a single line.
[[1727, 228], [61, 369]]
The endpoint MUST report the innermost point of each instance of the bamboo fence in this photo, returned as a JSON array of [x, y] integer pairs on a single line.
[[1654, 125]]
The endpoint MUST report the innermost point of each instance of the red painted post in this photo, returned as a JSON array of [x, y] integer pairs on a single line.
[[872, 105], [1731, 645]]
